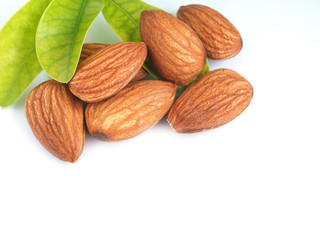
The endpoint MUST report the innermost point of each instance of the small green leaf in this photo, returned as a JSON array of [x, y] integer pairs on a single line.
[[61, 33], [124, 18], [206, 69], [18, 60]]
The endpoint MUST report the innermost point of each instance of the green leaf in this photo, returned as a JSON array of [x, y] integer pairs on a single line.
[[124, 18], [61, 33], [18, 60], [206, 69]]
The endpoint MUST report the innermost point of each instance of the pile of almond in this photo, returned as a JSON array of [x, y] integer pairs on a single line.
[[108, 95]]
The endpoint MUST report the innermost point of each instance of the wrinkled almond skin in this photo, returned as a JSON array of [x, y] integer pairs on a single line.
[[106, 72], [133, 110], [214, 99], [174, 49], [220, 37], [91, 48], [56, 119]]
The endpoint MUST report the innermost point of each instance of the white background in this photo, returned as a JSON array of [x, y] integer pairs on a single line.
[[257, 177]]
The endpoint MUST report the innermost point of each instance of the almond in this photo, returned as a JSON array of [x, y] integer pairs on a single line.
[[212, 100], [133, 110], [174, 49], [56, 119], [106, 72], [220, 37], [91, 48]]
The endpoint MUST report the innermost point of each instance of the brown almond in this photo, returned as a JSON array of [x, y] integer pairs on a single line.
[[220, 37], [106, 72], [212, 100], [89, 49], [133, 110], [174, 49], [56, 119]]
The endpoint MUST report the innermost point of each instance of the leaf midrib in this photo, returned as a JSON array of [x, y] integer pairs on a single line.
[[83, 4], [124, 12]]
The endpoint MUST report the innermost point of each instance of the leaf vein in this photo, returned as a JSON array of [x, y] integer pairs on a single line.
[[125, 12], [77, 26]]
